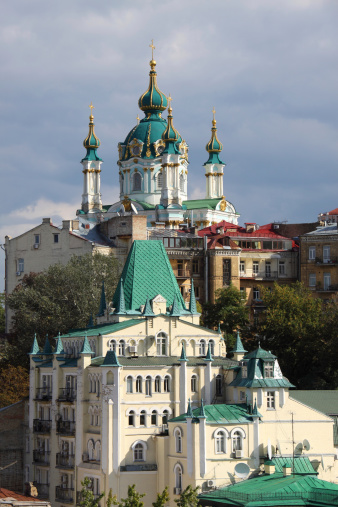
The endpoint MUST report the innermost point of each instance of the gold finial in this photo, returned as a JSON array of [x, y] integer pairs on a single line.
[[169, 104], [91, 108], [152, 48], [213, 114], [138, 119]]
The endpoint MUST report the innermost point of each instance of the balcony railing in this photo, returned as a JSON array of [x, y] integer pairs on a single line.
[[263, 275], [41, 457], [41, 426], [64, 494], [185, 273], [326, 261], [67, 394], [65, 427], [65, 460], [43, 490], [329, 288], [43, 394]]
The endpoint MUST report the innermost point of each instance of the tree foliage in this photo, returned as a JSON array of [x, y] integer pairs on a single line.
[[87, 496], [133, 499], [188, 497], [14, 385], [61, 298], [162, 498]]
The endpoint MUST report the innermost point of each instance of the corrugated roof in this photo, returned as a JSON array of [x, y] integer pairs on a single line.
[[221, 414], [103, 328], [149, 361], [324, 401]]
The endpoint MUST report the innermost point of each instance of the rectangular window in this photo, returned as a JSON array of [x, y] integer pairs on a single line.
[[172, 242], [267, 269], [56, 238], [36, 239], [226, 271], [312, 253], [255, 293], [244, 371], [271, 401], [268, 369], [195, 266], [326, 254], [21, 265], [255, 266], [242, 267], [241, 395], [281, 268], [165, 242], [312, 279], [327, 281]]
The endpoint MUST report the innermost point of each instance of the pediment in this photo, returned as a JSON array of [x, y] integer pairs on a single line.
[[159, 299]]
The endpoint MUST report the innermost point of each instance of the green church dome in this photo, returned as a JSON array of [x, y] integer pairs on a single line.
[[92, 142], [153, 100], [214, 146]]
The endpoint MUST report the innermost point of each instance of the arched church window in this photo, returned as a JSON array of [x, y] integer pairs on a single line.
[[161, 344], [137, 181], [182, 183], [122, 348], [202, 348], [159, 180], [178, 479]]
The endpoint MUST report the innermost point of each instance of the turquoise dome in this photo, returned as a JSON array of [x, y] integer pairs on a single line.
[[153, 100], [214, 146], [91, 143]]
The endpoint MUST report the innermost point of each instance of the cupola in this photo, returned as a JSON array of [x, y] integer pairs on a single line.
[[170, 136], [214, 146], [92, 142], [153, 100]]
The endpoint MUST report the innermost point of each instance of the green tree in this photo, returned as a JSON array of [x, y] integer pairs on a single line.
[[162, 498], [188, 497], [133, 499], [111, 500], [229, 310], [87, 496], [14, 384], [60, 298]]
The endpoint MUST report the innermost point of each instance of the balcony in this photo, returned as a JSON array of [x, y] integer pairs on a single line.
[[41, 457], [41, 426], [43, 490], [263, 275], [67, 394], [65, 427], [64, 460], [43, 394], [182, 273], [65, 495], [332, 261], [329, 288], [87, 459]]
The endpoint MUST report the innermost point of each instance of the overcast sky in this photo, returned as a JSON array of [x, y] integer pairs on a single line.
[[269, 67]]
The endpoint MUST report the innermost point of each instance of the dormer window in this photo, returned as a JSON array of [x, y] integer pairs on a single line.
[[268, 369]]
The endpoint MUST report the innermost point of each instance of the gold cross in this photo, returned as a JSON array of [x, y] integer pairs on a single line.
[[138, 119], [152, 48], [214, 112], [91, 108]]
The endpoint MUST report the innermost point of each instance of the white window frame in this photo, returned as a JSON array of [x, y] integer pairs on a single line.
[[242, 267], [166, 384], [271, 400], [178, 440], [255, 267], [122, 348], [139, 384], [220, 437], [139, 449], [194, 384], [131, 418], [281, 268], [162, 344], [149, 385], [269, 369], [326, 281], [178, 471], [129, 381], [326, 253], [312, 279], [202, 347], [312, 253]]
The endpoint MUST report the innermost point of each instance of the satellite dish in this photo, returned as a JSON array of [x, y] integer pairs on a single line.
[[133, 208], [269, 449], [299, 448], [306, 445], [242, 470]]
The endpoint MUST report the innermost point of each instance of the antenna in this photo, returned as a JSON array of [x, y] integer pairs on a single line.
[[293, 447], [242, 470]]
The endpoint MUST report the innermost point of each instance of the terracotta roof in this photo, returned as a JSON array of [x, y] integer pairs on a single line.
[[333, 212], [6, 493]]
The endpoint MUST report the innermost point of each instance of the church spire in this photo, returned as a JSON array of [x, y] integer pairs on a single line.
[[92, 142], [153, 101], [192, 304], [121, 305], [170, 136], [214, 165]]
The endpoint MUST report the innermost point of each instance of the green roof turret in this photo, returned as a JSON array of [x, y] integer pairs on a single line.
[[192, 304], [183, 355], [59, 346], [92, 142], [111, 359], [175, 309], [148, 311], [153, 100], [170, 136], [202, 411], [103, 304], [121, 305], [86, 348], [254, 410], [214, 146], [208, 357], [35, 347], [189, 411], [238, 346], [47, 349]]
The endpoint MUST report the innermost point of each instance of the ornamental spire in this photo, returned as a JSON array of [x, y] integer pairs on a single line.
[[214, 146], [92, 142], [35, 347], [192, 304], [170, 136], [121, 305], [153, 100]]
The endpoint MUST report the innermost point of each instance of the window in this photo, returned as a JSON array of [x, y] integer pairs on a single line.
[[281, 268], [182, 183], [219, 385], [159, 180], [139, 452], [243, 292], [220, 442], [241, 395], [36, 239], [195, 266], [178, 440], [56, 238], [244, 371], [312, 253], [166, 384], [112, 345], [312, 279], [148, 386], [165, 416], [178, 477], [129, 384], [202, 350], [139, 384], [122, 347], [268, 369], [255, 293], [267, 269], [142, 418], [326, 253], [21, 265], [137, 182], [270, 400], [153, 419], [255, 266], [194, 384], [226, 271], [161, 344], [157, 384], [237, 441], [327, 281], [212, 347], [242, 267], [131, 418]]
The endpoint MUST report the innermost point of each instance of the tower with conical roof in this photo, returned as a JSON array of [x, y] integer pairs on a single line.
[[91, 197], [214, 165]]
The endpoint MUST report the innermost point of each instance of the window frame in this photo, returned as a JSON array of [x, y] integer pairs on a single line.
[[312, 253], [271, 400]]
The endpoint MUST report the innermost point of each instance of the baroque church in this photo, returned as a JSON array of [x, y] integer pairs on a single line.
[[153, 171]]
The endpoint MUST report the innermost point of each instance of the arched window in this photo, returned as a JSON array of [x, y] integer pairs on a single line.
[[137, 182], [178, 478], [112, 345], [219, 385], [182, 183], [202, 348], [220, 442], [165, 416], [122, 347], [194, 384], [139, 451], [159, 180], [139, 384], [110, 378], [237, 441], [129, 384], [90, 449], [178, 440], [131, 418], [98, 450], [148, 386], [166, 384], [153, 420], [157, 384], [161, 344], [212, 347], [142, 418]]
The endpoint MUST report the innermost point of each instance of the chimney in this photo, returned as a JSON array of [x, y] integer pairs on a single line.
[[269, 467], [67, 224], [46, 221], [287, 470]]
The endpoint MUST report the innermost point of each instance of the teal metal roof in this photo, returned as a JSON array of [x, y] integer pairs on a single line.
[[103, 328], [220, 414], [149, 361], [260, 353], [147, 273], [111, 359], [324, 401], [302, 464], [239, 345], [202, 203]]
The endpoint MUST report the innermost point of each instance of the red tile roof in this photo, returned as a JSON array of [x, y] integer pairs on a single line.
[[333, 212], [6, 493]]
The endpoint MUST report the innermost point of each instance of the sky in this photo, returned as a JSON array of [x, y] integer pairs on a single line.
[[268, 67]]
